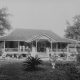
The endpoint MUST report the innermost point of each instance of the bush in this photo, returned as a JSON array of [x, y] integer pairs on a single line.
[[62, 55], [4, 77], [63, 65], [70, 70], [31, 63], [78, 58], [72, 73], [1, 52]]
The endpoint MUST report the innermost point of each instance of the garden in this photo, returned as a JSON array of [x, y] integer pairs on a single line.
[[36, 69]]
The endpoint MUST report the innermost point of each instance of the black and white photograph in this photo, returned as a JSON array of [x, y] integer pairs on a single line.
[[39, 39]]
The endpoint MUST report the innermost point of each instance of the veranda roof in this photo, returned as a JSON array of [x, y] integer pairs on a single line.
[[33, 34]]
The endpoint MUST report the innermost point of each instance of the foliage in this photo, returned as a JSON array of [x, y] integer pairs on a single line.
[[1, 52], [63, 55], [70, 70], [72, 73], [73, 31], [62, 65], [4, 22], [14, 71], [4, 77], [32, 63], [78, 58]]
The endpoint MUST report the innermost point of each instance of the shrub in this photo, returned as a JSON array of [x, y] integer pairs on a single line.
[[70, 70], [1, 52], [31, 63], [63, 65], [62, 54], [4, 77], [78, 58], [72, 73]]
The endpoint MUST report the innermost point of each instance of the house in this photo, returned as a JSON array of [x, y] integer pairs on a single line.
[[22, 42]]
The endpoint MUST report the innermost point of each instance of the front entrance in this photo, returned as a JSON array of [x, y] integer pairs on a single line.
[[42, 45]]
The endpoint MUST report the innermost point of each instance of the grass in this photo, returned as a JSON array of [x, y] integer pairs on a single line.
[[14, 71]]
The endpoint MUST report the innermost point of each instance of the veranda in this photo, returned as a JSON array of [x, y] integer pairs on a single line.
[[41, 47]]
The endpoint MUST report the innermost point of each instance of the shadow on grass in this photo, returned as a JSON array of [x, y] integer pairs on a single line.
[[42, 67], [34, 70]]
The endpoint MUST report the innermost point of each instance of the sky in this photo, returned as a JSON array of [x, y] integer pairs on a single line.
[[42, 14]]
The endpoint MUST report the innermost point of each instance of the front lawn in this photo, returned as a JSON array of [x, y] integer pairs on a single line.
[[14, 71]]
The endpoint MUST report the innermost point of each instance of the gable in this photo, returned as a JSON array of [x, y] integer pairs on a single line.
[[43, 37]]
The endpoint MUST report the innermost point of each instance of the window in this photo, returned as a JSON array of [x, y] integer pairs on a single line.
[[11, 44]]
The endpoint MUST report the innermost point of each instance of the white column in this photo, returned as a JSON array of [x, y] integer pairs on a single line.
[[75, 47], [4, 53], [36, 45], [60, 47], [4, 46], [51, 46], [56, 46], [23, 48], [68, 51], [33, 53], [67, 47], [34, 50], [18, 46]]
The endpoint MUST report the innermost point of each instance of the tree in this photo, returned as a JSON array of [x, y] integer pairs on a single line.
[[4, 21], [73, 31]]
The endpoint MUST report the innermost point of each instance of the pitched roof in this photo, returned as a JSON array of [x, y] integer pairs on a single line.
[[30, 34]]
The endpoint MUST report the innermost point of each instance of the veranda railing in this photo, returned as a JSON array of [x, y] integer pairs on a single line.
[[11, 49], [16, 50], [59, 50]]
